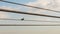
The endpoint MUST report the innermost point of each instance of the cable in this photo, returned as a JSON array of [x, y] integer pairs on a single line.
[[29, 6], [27, 20], [20, 12], [29, 24], [41, 21], [9, 19]]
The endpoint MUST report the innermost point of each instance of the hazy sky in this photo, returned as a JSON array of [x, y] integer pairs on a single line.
[[51, 4]]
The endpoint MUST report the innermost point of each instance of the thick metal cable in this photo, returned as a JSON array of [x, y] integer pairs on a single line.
[[29, 24], [29, 6], [20, 12], [26, 20]]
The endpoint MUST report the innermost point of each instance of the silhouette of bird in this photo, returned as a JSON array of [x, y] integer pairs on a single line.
[[22, 19]]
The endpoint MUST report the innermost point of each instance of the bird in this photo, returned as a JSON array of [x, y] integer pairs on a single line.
[[22, 19]]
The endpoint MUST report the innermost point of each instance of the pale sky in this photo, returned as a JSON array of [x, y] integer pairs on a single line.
[[50, 4]]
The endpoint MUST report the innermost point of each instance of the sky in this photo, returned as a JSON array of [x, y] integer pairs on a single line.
[[51, 4]]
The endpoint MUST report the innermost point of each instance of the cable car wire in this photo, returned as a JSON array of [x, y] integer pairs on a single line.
[[20, 12], [29, 24], [26, 20], [29, 6]]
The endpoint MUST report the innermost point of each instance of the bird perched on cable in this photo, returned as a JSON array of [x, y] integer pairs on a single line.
[[22, 19]]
